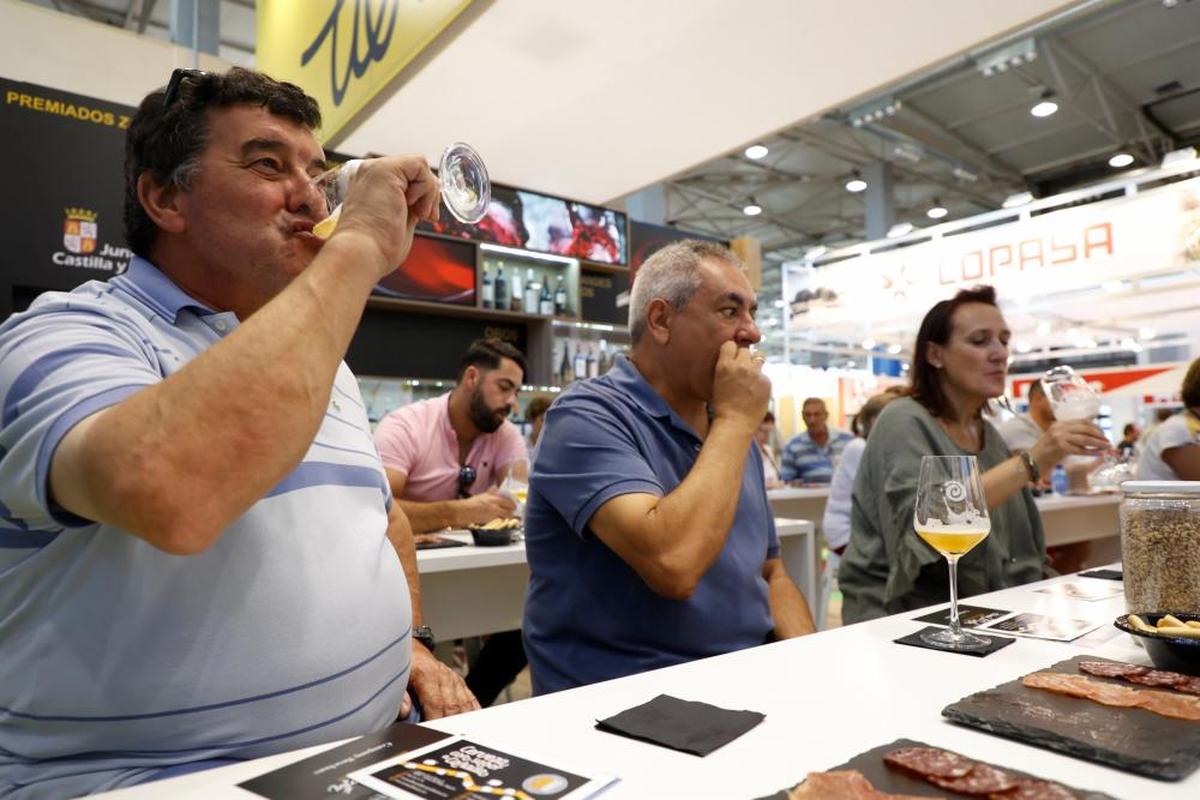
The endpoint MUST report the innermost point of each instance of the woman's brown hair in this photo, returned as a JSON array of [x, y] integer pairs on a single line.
[[925, 384]]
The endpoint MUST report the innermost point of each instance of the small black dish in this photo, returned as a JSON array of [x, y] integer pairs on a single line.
[[1173, 653], [492, 537]]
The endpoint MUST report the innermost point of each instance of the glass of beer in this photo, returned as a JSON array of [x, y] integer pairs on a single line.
[[951, 516], [463, 178]]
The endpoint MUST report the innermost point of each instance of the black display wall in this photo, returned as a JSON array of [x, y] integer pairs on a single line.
[[60, 224]]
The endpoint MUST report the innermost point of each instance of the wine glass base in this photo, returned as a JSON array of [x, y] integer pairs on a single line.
[[945, 639]]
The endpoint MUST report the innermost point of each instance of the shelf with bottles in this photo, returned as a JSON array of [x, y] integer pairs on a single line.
[[528, 283], [383, 395], [585, 352]]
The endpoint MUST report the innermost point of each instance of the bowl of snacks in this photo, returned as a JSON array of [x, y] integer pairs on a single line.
[[1171, 639], [496, 533]]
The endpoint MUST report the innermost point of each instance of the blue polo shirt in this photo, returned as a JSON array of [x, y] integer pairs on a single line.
[[122, 663], [588, 616]]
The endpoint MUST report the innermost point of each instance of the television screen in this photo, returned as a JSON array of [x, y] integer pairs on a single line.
[[436, 270]]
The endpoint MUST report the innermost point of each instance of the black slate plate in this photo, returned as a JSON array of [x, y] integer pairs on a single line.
[[892, 781], [1129, 739]]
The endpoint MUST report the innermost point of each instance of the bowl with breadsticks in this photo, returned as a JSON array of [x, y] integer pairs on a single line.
[[1171, 638], [500, 531]]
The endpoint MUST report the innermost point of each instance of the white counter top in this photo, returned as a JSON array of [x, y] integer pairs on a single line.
[[826, 697]]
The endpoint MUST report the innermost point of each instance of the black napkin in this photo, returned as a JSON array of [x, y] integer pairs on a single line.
[[684, 725], [1110, 574], [994, 642]]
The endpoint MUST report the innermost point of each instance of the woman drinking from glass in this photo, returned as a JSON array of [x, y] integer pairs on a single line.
[[960, 363]]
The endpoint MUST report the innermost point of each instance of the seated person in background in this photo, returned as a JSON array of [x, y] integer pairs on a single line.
[[959, 363], [446, 457], [1021, 433], [1127, 447], [648, 532], [199, 564], [1023, 430], [810, 455], [1171, 450], [766, 450], [535, 413], [836, 524]]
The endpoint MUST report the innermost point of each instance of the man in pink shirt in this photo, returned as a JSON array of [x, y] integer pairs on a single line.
[[445, 458]]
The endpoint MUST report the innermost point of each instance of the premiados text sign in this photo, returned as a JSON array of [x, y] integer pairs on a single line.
[[344, 52]]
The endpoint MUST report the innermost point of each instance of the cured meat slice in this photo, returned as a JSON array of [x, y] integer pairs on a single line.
[[1026, 789], [982, 780], [1157, 677], [1167, 704], [1191, 686], [1111, 669], [846, 784], [928, 762]]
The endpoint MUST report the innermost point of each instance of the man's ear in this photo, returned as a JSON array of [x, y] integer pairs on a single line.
[[161, 203], [659, 315]]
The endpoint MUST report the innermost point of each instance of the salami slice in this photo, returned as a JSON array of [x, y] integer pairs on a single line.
[[1026, 789], [1190, 685], [846, 784], [929, 762], [1157, 677], [1111, 669], [982, 780]]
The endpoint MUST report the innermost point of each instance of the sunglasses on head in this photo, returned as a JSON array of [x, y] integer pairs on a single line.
[[178, 76], [466, 477]]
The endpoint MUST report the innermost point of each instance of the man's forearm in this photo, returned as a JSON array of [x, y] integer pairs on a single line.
[[400, 534], [426, 517], [177, 462], [694, 520], [789, 609]]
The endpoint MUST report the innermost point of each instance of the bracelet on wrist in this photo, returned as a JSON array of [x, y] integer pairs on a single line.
[[1032, 470]]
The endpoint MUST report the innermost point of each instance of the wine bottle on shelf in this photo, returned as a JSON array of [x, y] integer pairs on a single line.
[[514, 285], [531, 292], [488, 289], [568, 368], [605, 357], [501, 289], [545, 301], [580, 362], [593, 364], [560, 298]]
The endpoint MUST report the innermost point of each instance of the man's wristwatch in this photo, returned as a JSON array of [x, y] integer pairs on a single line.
[[1031, 466], [424, 635]]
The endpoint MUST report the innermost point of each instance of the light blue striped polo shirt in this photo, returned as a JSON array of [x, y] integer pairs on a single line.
[[121, 663]]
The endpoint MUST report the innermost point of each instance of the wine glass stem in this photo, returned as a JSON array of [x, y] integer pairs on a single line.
[[955, 628]]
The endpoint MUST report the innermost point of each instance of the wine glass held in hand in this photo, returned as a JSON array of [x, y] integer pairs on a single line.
[[1070, 395], [462, 176], [951, 516]]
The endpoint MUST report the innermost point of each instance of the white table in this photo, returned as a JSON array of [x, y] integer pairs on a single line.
[[827, 697], [799, 502], [471, 591]]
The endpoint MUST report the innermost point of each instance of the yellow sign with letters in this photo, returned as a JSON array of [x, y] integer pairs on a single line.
[[343, 52]]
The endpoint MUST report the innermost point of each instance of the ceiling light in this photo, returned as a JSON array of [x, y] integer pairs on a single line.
[[869, 343], [965, 175], [1045, 106], [779, 304], [856, 183], [1022, 347], [908, 152], [1018, 199], [756, 151], [1147, 333], [1013, 55], [1120, 160], [752, 209], [1043, 329], [895, 349], [899, 229], [937, 210]]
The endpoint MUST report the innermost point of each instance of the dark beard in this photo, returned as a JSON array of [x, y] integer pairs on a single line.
[[483, 417]]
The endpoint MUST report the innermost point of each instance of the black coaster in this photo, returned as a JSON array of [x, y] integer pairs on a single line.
[[994, 642], [685, 725], [1110, 574]]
